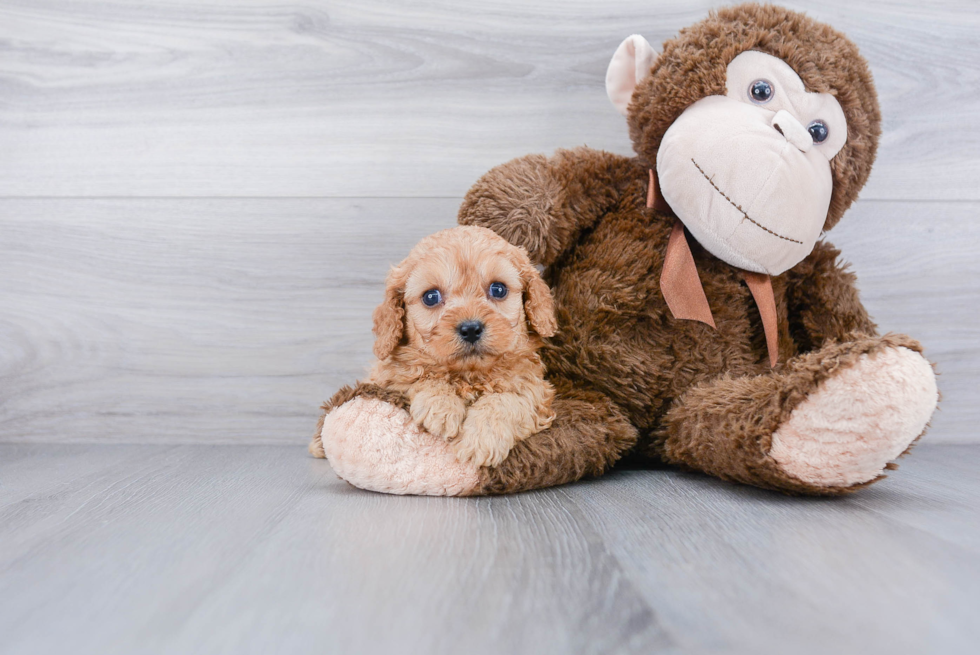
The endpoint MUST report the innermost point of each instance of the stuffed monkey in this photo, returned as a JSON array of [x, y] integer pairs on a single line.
[[703, 323]]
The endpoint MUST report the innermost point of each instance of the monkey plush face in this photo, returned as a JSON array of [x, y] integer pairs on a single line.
[[748, 173], [761, 124]]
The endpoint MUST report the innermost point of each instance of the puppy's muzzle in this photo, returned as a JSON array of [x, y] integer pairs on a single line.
[[470, 331]]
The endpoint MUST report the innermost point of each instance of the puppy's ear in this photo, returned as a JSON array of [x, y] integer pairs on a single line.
[[389, 316], [538, 303]]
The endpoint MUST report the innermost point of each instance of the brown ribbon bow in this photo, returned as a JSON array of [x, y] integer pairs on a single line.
[[681, 286]]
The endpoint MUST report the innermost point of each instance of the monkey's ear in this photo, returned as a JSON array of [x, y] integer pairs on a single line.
[[389, 316], [631, 63]]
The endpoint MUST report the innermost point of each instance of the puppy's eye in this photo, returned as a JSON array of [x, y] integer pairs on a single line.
[[498, 290], [431, 298], [761, 92], [819, 131]]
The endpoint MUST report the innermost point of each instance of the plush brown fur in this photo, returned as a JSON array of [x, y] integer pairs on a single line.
[[485, 396], [749, 409], [631, 379], [700, 398]]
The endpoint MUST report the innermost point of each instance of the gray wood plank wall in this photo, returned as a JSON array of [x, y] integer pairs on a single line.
[[198, 202]]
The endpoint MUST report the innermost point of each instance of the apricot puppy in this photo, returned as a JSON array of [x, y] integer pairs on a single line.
[[458, 334]]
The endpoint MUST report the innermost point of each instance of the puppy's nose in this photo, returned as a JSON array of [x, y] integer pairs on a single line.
[[471, 331]]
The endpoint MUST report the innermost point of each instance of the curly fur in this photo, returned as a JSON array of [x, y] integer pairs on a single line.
[[487, 396]]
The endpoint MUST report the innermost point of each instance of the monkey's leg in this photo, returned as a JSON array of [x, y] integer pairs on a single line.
[[827, 423], [372, 442]]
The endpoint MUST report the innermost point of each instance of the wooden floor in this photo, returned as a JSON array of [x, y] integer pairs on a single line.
[[198, 205], [261, 549]]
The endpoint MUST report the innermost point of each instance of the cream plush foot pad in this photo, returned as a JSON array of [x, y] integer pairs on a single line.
[[858, 420], [376, 446]]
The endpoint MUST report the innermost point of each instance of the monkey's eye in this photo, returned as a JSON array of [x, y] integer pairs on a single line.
[[498, 290], [761, 92], [818, 131], [431, 298]]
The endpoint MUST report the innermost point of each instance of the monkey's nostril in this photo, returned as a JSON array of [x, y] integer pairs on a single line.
[[470, 331], [792, 130]]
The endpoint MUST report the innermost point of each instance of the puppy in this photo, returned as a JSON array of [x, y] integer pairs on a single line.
[[458, 332]]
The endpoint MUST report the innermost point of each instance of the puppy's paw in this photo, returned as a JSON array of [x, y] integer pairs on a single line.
[[481, 443], [440, 414]]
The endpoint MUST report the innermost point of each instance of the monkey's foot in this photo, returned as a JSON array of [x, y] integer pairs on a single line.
[[857, 421], [375, 445]]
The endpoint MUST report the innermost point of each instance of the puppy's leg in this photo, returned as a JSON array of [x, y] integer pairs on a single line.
[[498, 421], [436, 407], [494, 424]]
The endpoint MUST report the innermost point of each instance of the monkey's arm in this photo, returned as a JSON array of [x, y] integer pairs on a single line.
[[823, 301], [543, 203]]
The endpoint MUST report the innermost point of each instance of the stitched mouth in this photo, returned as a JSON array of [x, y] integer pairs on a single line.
[[739, 207]]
